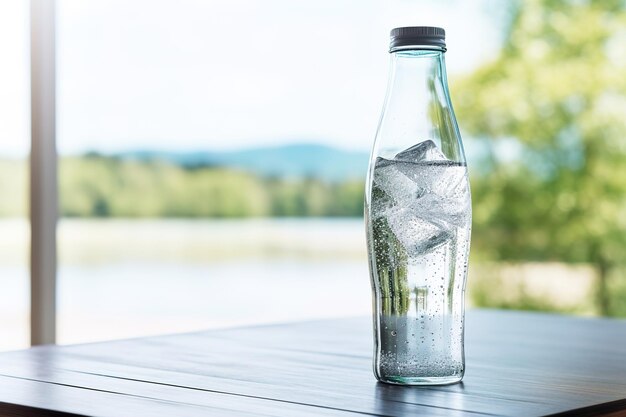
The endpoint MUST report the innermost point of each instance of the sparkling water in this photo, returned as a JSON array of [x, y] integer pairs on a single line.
[[421, 219]]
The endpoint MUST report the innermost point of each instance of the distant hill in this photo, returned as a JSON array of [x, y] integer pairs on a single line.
[[297, 160]]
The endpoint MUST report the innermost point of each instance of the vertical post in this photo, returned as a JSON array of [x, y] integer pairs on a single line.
[[43, 173]]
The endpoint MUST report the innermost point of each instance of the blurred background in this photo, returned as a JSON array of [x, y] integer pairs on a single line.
[[212, 157]]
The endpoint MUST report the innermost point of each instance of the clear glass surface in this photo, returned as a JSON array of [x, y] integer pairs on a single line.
[[152, 246], [14, 148], [418, 221]]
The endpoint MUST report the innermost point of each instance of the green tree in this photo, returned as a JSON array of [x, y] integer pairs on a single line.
[[557, 92], [101, 186]]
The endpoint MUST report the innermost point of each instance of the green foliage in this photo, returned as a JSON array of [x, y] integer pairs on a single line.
[[558, 91], [96, 186], [617, 292], [13, 188], [491, 288]]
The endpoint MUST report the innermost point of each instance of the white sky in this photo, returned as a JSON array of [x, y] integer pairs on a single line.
[[224, 74]]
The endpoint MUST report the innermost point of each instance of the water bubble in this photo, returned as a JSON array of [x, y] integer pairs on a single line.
[[393, 333]]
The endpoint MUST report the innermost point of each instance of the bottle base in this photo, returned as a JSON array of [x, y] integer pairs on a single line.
[[403, 380]]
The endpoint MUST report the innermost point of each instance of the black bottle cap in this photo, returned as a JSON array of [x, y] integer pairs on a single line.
[[417, 37]]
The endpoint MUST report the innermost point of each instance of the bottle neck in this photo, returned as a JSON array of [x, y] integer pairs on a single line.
[[418, 107], [418, 71]]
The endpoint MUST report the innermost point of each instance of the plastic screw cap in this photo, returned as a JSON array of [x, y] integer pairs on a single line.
[[405, 37]]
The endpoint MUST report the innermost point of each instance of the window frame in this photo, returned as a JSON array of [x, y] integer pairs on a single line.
[[43, 199]]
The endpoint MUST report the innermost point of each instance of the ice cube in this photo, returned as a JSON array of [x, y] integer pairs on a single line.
[[423, 151], [394, 183], [416, 233], [442, 190], [423, 202]]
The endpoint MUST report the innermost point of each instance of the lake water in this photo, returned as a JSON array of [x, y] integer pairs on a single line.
[[126, 278]]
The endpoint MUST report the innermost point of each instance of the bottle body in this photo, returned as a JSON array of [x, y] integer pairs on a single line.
[[418, 223]]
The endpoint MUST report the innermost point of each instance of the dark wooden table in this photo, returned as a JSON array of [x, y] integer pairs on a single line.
[[518, 364]]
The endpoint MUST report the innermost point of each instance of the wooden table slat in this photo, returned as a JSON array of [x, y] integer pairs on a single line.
[[518, 364]]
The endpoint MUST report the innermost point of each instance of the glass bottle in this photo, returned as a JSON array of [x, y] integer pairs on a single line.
[[418, 219]]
